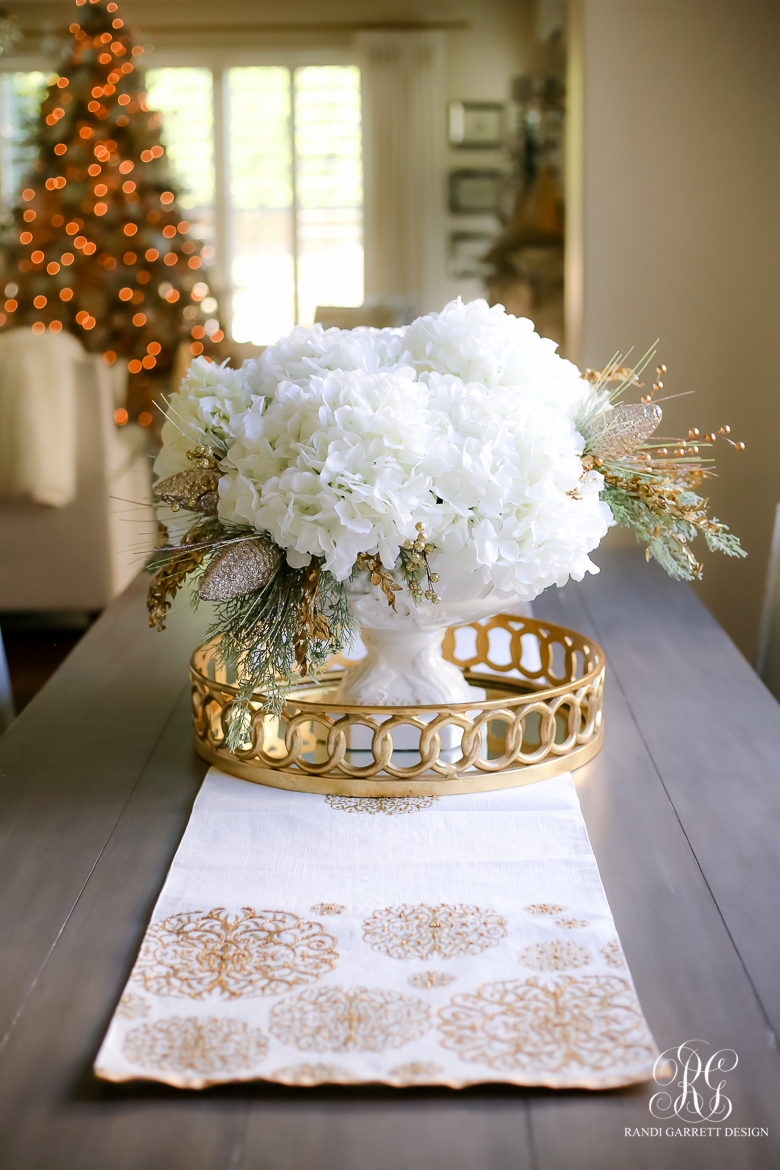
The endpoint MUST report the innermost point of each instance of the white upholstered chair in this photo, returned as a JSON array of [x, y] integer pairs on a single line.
[[80, 552]]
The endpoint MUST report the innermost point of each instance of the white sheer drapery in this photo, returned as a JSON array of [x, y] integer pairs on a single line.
[[404, 136]]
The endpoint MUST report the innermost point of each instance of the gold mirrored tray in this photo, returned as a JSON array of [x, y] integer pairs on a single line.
[[537, 711]]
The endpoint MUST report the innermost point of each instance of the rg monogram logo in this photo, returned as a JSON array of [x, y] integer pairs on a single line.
[[700, 1095]]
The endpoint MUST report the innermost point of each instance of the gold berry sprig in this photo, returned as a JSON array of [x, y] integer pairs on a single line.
[[414, 563]]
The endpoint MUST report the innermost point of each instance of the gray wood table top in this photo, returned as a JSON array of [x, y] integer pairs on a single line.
[[97, 780]]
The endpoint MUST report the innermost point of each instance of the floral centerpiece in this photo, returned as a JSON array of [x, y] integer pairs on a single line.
[[442, 471]]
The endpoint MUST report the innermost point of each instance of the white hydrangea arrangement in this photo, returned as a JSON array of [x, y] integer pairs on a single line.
[[460, 443]]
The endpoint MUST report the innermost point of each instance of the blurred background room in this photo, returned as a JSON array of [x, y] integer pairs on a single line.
[[608, 169]]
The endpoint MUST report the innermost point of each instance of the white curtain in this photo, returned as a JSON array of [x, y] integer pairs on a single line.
[[404, 150]]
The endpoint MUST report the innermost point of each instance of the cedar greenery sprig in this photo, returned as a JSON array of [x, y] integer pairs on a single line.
[[173, 565], [666, 517], [649, 485], [262, 640], [270, 637]]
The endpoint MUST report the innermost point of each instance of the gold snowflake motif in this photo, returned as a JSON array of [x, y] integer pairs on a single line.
[[389, 805], [613, 955], [422, 931], [195, 1045], [342, 1019], [554, 956], [544, 908], [328, 908], [255, 952], [593, 1021], [314, 1074], [571, 923], [133, 1007], [416, 1071], [429, 979]]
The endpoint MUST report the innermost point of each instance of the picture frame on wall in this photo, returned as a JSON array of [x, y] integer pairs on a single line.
[[466, 254], [474, 192], [477, 125]]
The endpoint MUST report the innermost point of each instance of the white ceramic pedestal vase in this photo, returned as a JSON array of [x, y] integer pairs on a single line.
[[404, 666]]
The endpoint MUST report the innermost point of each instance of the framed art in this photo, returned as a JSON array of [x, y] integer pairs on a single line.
[[474, 192], [476, 125], [466, 254]]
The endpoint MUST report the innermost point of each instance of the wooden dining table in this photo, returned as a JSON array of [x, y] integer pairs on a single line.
[[97, 780]]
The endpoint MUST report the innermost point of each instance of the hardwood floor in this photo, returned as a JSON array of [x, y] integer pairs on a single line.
[[35, 646]]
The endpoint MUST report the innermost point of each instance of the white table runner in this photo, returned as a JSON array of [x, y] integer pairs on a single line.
[[310, 939]]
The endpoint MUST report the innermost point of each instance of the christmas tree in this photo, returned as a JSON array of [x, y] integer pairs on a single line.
[[98, 245]]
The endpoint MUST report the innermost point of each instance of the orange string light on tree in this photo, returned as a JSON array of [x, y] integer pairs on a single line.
[[96, 138]]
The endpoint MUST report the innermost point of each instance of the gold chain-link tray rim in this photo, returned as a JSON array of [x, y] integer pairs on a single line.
[[546, 718]]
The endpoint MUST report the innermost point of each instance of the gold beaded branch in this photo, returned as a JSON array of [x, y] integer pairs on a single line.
[[414, 563]]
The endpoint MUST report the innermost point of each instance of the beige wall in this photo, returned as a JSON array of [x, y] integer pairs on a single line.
[[681, 175]]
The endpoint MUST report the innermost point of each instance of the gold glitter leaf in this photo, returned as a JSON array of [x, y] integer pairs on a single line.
[[624, 428], [170, 578], [194, 489]]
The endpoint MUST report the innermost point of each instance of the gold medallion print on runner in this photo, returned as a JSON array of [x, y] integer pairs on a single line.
[[612, 953], [342, 1019], [544, 908], [328, 908], [429, 979], [195, 1045], [255, 952], [593, 1021], [554, 956], [314, 1074], [422, 931], [389, 805], [416, 1070], [571, 923], [133, 1007]]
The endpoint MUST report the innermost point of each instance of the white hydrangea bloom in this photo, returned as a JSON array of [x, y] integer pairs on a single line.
[[341, 441], [308, 351], [515, 507], [331, 468], [350, 462], [200, 411], [486, 344]]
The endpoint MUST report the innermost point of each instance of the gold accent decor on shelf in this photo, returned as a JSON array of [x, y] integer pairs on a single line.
[[536, 712]]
